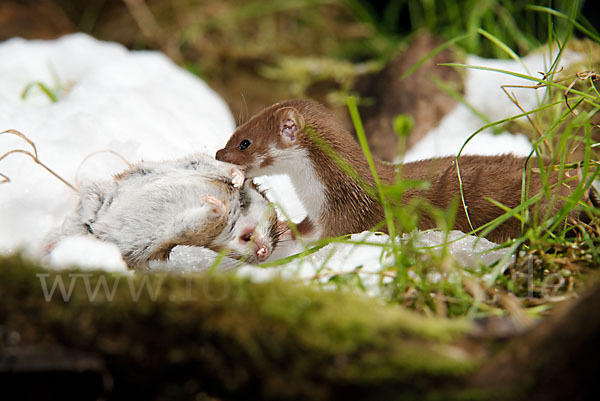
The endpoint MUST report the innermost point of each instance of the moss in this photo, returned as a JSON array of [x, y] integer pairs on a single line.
[[274, 340], [196, 337]]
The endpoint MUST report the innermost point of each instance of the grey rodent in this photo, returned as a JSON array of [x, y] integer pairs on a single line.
[[278, 141], [154, 206]]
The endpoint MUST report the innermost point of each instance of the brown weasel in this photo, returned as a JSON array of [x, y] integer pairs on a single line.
[[298, 137]]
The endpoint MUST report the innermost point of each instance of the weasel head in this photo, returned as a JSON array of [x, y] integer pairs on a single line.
[[259, 143], [254, 234]]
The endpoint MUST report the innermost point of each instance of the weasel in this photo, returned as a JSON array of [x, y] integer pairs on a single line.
[[298, 137], [152, 207]]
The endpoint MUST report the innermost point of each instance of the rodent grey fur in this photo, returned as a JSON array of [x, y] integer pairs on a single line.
[[154, 206]]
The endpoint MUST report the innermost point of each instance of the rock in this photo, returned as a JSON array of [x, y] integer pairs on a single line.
[[417, 95]]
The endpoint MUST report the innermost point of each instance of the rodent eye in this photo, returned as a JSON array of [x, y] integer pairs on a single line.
[[247, 237], [245, 144]]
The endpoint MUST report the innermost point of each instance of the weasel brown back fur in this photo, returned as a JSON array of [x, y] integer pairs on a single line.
[[308, 134]]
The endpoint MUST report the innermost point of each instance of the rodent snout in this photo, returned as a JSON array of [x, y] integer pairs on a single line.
[[259, 248], [262, 252]]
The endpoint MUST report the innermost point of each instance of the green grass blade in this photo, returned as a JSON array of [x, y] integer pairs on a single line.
[[546, 82], [288, 259], [47, 91], [432, 54], [503, 47], [565, 17], [461, 99], [362, 139]]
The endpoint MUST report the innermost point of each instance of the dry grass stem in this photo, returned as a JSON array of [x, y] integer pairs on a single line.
[[85, 159], [33, 156]]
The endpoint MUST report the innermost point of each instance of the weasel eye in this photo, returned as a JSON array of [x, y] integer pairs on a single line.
[[247, 237], [245, 144]]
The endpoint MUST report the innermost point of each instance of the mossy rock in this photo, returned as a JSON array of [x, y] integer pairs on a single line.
[[156, 336], [275, 340]]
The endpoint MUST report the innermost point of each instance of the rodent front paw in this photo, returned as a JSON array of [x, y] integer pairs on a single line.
[[218, 207], [237, 177]]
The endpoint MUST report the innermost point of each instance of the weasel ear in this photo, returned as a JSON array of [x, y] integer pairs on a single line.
[[290, 124]]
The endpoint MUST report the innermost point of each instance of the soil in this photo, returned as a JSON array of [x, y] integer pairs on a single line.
[[230, 56], [33, 20]]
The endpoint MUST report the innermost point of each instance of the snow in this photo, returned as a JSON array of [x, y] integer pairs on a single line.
[[138, 104], [483, 91], [87, 252], [142, 106]]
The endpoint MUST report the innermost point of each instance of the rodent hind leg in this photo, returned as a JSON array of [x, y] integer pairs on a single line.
[[217, 206], [229, 173], [201, 225], [196, 226]]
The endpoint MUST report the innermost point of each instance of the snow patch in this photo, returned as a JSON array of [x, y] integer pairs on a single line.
[[483, 91], [89, 253], [141, 105], [136, 103]]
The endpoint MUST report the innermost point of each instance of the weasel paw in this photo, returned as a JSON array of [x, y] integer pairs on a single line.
[[218, 207], [237, 177]]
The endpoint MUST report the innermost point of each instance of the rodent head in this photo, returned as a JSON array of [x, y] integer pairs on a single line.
[[254, 234], [256, 144]]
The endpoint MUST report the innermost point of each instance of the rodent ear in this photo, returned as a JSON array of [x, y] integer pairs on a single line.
[[92, 199], [290, 123]]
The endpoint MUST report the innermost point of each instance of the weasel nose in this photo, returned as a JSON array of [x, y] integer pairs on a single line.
[[220, 155]]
